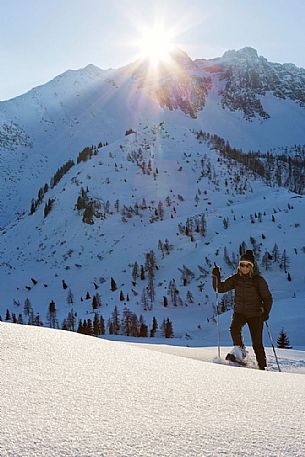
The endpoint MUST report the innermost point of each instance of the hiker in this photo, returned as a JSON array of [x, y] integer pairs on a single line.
[[252, 304]]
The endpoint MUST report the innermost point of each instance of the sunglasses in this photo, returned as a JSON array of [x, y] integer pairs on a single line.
[[245, 264]]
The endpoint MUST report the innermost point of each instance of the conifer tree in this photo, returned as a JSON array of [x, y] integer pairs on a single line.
[[283, 340], [96, 325], [284, 263], [52, 314], [113, 285], [167, 329], [89, 330], [80, 327], [102, 326], [275, 253], [115, 319], [27, 307], [96, 302], [266, 261], [144, 299], [142, 273], [154, 327], [135, 272], [70, 297], [143, 329], [190, 297], [88, 214]]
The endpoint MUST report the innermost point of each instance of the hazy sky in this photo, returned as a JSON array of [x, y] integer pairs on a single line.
[[40, 39]]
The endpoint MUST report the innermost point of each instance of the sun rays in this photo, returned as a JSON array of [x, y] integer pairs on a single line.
[[156, 44]]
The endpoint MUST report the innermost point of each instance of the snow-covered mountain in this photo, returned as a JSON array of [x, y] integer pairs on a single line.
[[241, 97], [173, 185], [68, 395]]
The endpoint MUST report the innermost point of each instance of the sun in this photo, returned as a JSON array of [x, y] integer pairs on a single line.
[[156, 44]]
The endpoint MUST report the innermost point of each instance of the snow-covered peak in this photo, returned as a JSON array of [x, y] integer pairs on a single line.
[[246, 53], [182, 59]]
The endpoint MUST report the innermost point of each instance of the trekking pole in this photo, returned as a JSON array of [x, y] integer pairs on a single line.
[[271, 340], [218, 324]]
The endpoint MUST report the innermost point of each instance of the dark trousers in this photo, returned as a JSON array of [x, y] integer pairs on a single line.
[[255, 325]]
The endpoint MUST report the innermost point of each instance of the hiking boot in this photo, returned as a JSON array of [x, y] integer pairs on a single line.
[[239, 353]]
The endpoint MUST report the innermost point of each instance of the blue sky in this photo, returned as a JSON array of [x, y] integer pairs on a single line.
[[40, 39]]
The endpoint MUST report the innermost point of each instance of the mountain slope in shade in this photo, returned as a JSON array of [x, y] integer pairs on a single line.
[[153, 185]]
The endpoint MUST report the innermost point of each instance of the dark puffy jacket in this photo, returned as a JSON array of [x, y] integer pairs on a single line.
[[252, 296]]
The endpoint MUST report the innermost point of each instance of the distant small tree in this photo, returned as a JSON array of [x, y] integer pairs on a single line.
[[89, 330], [142, 276], [143, 328], [225, 222], [284, 262], [113, 285], [135, 272], [115, 321], [80, 327], [88, 214], [95, 303], [190, 297], [154, 327], [102, 326], [52, 314], [283, 340], [167, 329], [275, 253], [70, 298], [27, 307], [266, 261], [96, 325]]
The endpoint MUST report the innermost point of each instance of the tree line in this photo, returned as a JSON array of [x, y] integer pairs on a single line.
[[284, 170]]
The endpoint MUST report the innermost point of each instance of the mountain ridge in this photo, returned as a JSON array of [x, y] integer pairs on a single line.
[[142, 167]]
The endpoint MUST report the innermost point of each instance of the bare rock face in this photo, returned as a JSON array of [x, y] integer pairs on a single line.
[[248, 77]]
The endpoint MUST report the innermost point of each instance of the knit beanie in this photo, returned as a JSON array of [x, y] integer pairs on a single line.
[[248, 257]]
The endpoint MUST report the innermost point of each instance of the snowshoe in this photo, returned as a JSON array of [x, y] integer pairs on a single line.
[[231, 358], [238, 355]]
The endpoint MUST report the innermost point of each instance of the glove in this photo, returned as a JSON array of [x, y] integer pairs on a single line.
[[216, 272]]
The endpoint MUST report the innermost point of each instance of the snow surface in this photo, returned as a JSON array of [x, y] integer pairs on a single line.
[[69, 395]]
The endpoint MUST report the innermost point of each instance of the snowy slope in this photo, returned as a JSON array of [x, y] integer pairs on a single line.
[[42, 129], [62, 247], [67, 395]]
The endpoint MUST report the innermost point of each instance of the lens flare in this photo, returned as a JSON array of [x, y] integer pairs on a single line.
[[156, 44]]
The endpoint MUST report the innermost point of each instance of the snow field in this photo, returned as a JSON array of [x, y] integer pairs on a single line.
[[64, 394]]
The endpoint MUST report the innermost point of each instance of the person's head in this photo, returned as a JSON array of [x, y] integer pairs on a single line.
[[246, 263]]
